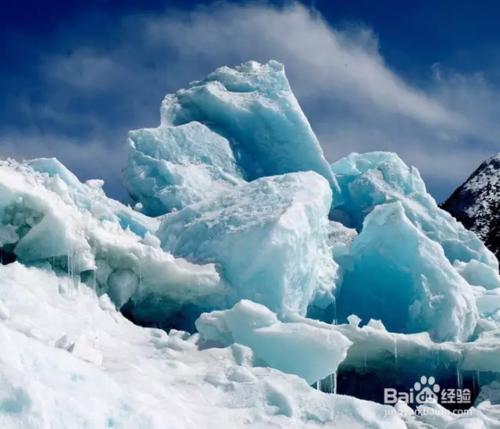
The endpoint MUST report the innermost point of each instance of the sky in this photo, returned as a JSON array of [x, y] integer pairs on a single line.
[[419, 78]]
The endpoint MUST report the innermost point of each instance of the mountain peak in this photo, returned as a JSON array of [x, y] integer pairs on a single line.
[[476, 203]]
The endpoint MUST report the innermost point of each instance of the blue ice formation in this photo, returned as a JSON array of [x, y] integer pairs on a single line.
[[371, 179], [239, 123], [269, 237], [313, 352], [260, 236], [248, 194], [411, 264], [171, 167], [395, 273]]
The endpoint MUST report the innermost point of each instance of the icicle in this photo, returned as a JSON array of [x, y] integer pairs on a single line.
[[459, 378], [334, 383], [327, 387], [68, 264], [318, 385], [334, 321], [76, 278], [395, 352]]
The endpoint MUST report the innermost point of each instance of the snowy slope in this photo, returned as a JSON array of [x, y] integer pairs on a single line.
[[70, 360], [476, 203]]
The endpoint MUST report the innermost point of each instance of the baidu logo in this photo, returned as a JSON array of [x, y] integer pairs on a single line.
[[424, 391], [427, 391]]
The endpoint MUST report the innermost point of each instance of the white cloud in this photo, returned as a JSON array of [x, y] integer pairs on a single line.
[[353, 99], [321, 61]]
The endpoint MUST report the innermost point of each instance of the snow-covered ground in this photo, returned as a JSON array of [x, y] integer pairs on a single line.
[[70, 360]]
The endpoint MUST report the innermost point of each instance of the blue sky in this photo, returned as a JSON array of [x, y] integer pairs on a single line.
[[418, 78]]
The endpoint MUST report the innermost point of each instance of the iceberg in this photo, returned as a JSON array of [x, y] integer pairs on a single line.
[[311, 352], [395, 273], [49, 217], [387, 203], [171, 167], [376, 178], [239, 123], [269, 237]]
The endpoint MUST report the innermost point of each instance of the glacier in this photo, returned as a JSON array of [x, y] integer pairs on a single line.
[[238, 124], [398, 275], [269, 237], [376, 178], [251, 285], [172, 167]]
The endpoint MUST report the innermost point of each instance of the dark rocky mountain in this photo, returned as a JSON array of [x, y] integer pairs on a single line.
[[476, 203]]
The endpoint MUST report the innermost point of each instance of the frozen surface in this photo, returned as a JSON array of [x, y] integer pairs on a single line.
[[270, 238], [311, 352], [63, 345], [374, 348], [377, 359], [241, 122], [395, 273]]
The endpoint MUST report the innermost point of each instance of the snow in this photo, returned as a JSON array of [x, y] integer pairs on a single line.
[[89, 196], [121, 375], [270, 238], [311, 352], [238, 123], [80, 232]]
